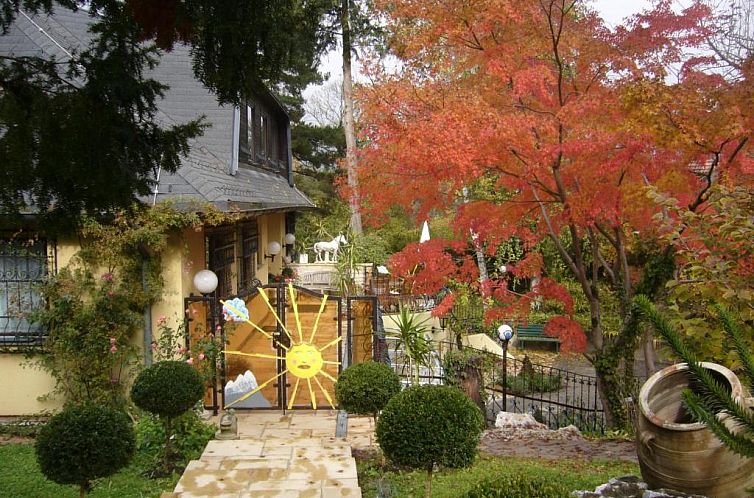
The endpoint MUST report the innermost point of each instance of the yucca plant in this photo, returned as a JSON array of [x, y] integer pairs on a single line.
[[709, 398], [410, 334]]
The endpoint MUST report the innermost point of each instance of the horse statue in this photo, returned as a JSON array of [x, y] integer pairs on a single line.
[[328, 251]]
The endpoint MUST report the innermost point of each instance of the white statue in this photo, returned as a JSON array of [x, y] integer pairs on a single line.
[[328, 251]]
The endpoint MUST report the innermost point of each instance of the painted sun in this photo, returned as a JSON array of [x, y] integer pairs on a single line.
[[302, 358]]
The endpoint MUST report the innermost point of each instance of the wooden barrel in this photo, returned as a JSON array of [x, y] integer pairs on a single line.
[[677, 453]]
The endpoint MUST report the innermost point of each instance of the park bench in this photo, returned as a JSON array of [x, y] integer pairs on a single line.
[[535, 332]]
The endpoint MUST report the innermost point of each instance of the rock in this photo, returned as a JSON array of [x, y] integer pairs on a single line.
[[508, 420], [570, 431], [629, 487]]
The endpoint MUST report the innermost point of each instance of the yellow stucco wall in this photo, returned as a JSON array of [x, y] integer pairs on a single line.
[[21, 386]]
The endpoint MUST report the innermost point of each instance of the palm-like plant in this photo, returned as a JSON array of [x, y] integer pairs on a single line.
[[410, 334], [709, 398]]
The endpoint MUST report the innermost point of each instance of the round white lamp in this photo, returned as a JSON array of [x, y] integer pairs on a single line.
[[205, 281], [505, 332], [290, 239], [273, 248]]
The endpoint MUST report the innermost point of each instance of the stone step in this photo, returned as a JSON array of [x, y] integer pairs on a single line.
[[235, 485]]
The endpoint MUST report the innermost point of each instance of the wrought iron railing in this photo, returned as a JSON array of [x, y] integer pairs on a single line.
[[555, 397]]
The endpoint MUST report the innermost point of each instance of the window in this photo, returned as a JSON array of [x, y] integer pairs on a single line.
[[221, 254], [264, 124], [249, 249], [24, 265], [246, 136]]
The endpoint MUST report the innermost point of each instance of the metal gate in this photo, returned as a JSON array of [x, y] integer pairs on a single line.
[[291, 350]]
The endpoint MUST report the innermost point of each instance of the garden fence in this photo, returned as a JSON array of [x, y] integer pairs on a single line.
[[553, 396]]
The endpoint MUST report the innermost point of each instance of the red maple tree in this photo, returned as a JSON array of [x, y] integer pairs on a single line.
[[572, 121]]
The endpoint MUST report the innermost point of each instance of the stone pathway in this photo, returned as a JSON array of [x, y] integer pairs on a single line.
[[291, 455]]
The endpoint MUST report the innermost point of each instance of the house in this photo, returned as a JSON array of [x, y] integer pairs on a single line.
[[241, 163]]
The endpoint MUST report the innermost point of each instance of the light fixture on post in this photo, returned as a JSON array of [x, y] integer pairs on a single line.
[[505, 333], [205, 281], [273, 249]]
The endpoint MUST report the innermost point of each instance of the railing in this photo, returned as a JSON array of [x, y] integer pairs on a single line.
[[554, 396]]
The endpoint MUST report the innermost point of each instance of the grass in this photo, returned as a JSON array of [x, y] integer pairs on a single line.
[[20, 476], [449, 483]]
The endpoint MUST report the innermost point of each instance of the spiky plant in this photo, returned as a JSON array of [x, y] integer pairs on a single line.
[[709, 397]]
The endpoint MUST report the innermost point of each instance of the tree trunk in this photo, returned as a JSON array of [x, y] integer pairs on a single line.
[[611, 390], [471, 384], [167, 459], [649, 354], [428, 484], [348, 119]]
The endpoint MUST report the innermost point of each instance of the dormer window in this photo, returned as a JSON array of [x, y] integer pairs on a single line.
[[262, 138]]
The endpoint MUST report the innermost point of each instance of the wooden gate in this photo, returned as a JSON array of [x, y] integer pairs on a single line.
[[288, 353]]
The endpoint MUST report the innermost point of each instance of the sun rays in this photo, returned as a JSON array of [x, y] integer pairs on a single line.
[[302, 358]]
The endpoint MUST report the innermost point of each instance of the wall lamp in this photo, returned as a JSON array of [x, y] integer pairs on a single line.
[[290, 239], [273, 248]]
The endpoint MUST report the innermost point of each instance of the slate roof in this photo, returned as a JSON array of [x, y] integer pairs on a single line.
[[203, 176]]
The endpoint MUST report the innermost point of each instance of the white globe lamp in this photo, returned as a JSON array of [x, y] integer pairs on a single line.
[[205, 281], [505, 332]]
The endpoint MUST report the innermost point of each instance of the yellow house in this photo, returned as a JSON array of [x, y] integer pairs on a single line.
[[242, 164]]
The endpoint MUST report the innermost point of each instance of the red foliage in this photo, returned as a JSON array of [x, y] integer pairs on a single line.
[[571, 335], [550, 289]]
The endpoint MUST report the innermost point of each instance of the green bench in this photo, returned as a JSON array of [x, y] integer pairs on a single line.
[[535, 332]]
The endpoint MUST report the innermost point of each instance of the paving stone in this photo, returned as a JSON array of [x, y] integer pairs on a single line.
[[324, 468], [324, 452], [213, 482], [234, 448], [330, 492], [287, 484], [287, 433], [274, 493], [254, 463]]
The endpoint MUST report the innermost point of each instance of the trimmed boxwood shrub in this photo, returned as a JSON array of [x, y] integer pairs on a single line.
[[426, 426], [84, 442], [518, 486], [365, 388], [168, 389]]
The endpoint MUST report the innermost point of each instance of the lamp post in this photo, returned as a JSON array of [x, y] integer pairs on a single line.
[[505, 333], [205, 281]]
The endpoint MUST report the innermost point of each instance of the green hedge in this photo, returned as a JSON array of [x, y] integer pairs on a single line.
[[517, 486], [167, 388], [84, 442], [365, 388], [430, 425]]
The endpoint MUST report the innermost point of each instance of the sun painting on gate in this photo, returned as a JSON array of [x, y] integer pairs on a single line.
[[302, 358]]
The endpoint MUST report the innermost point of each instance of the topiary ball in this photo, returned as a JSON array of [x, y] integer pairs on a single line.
[[365, 388], [84, 442], [167, 388], [427, 425]]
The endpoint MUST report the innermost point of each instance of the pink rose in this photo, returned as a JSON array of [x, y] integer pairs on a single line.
[[107, 277], [162, 320], [190, 361], [113, 348], [201, 356]]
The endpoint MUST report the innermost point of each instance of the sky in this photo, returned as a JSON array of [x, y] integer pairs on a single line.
[[612, 11]]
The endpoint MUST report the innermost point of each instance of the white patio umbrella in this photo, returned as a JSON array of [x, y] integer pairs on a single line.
[[425, 233]]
